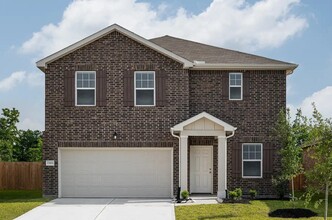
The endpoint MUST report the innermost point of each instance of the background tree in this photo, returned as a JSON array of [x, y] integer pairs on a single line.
[[291, 135], [319, 177], [8, 133], [28, 146]]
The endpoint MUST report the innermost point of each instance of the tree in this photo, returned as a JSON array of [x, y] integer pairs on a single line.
[[6, 150], [28, 146], [8, 133], [319, 177], [291, 135]]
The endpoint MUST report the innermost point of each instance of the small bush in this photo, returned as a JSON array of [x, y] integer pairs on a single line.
[[185, 194], [281, 186], [239, 192], [235, 194], [232, 195], [252, 193]]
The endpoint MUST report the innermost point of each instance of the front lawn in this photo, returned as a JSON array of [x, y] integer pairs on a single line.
[[258, 209], [14, 203]]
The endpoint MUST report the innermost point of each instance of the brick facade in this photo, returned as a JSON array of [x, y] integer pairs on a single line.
[[254, 116], [94, 126], [187, 93]]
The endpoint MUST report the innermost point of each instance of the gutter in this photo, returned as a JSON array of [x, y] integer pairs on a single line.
[[289, 68], [233, 133]]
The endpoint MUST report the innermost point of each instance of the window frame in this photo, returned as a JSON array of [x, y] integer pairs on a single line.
[[260, 160], [235, 86], [154, 88], [95, 90]]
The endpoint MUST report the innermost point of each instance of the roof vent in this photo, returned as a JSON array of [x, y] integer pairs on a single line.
[[199, 62]]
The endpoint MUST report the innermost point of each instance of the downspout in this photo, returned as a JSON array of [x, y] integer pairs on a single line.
[[233, 133], [179, 187]]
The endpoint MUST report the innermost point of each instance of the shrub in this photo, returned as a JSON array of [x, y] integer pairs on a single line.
[[235, 194], [252, 193], [281, 186], [185, 194], [232, 195], [239, 192]]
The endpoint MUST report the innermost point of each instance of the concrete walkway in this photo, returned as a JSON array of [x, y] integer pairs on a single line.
[[103, 208]]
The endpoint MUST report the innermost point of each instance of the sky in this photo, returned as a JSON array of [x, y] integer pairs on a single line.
[[297, 31]]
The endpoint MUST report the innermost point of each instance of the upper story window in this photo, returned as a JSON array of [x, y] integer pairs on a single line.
[[235, 86], [252, 160], [144, 88], [85, 88]]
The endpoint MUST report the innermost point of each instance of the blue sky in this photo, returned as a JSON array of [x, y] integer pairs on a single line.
[[298, 31]]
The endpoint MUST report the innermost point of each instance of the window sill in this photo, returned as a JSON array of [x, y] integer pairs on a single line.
[[252, 177]]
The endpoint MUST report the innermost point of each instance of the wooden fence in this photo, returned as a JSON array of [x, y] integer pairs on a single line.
[[299, 183], [21, 175]]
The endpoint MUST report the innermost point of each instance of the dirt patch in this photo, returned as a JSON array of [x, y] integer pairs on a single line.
[[293, 213]]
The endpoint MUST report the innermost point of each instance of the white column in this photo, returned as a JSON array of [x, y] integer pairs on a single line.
[[222, 167], [184, 162]]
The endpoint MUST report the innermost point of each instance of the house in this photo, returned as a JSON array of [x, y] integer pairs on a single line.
[[131, 117]]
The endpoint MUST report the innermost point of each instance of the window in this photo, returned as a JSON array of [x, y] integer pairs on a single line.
[[144, 88], [235, 86], [85, 88], [252, 160]]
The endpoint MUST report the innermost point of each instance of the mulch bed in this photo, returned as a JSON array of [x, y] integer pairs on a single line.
[[241, 201], [293, 213]]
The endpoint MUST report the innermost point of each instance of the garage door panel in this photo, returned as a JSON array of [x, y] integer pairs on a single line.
[[116, 172]]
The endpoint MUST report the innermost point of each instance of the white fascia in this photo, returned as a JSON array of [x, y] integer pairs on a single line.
[[289, 68]]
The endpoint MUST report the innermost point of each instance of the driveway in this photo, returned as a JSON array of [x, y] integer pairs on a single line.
[[103, 208]]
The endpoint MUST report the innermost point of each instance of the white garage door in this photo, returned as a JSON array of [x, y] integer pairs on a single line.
[[115, 172]]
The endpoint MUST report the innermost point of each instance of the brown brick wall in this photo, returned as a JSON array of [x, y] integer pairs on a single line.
[[254, 116], [141, 126], [113, 53]]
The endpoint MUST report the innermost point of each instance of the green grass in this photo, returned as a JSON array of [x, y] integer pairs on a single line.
[[258, 209], [14, 203]]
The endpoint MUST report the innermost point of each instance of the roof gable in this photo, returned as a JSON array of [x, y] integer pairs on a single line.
[[203, 115], [42, 64]]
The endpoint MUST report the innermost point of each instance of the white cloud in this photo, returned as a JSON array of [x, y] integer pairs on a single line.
[[231, 23], [12, 80], [16, 78], [322, 100]]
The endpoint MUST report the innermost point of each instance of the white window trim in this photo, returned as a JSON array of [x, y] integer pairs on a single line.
[[94, 72], [229, 86], [260, 160], [154, 88]]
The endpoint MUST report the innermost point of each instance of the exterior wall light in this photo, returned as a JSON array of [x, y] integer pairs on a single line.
[[115, 135]]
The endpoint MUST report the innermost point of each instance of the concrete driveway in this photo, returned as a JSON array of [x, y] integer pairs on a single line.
[[103, 208]]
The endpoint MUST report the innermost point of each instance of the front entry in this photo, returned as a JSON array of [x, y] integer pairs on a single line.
[[201, 169]]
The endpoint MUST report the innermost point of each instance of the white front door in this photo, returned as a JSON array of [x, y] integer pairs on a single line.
[[201, 169]]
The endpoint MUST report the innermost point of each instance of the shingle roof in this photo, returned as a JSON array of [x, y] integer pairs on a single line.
[[185, 52], [194, 51]]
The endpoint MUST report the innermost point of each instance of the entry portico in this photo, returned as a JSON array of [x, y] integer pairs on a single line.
[[203, 124]]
